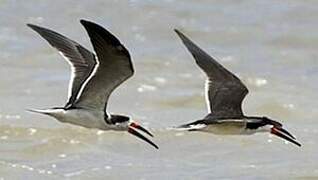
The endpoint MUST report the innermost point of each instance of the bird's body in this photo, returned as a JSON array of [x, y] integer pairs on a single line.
[[227, 127], [94, 77], [79, 117], [224, 93], [238, 126]]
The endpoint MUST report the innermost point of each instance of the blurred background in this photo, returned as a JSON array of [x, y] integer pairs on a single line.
[[271, 45]]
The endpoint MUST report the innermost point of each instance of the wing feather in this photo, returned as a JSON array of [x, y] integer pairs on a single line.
[[114, 67], [81, 60], [224, 91]]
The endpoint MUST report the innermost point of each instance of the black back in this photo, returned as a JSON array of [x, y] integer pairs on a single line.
[[114, 119]]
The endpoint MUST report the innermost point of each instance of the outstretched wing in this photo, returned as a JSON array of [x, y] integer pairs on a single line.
[[224, 91], [82, 61], [114, 67]]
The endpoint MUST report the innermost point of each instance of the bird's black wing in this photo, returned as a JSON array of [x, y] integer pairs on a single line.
[[114, 67], [82, 61], [224, 91]]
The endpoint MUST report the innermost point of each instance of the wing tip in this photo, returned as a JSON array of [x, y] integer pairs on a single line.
[[29, 25], [176, 30], [39, 29], [84, 22], [94, 28], [182, 36], [32, 26]]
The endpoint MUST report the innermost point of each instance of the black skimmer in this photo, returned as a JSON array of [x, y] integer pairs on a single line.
[[93, 78], [224, 93]]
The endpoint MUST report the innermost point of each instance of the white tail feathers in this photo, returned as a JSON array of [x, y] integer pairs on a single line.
[[50, 112], [41, 111], [190, 127]]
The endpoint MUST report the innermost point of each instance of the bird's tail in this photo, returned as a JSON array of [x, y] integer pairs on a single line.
[[194, 126], [41, 111], [50, 112]]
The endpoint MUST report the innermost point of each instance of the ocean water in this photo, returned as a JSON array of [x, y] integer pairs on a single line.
[[271, 45]]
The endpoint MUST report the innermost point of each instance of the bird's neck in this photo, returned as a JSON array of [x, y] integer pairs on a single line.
[[117, 119], [258, 124]]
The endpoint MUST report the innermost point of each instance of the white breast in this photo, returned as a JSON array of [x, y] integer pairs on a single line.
[[227, 127], [82, 117]]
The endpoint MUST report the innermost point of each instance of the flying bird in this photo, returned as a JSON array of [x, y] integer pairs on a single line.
[[224, 93], [93, 78]]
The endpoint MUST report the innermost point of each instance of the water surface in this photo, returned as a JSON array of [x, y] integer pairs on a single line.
[[271, 45]]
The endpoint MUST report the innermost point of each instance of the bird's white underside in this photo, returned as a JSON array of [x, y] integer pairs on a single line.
[[229, 127], [82, 117]]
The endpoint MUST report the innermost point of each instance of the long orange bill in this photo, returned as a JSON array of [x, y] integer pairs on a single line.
[[280, 132], [136, 133], [285, 131], [137, 126]]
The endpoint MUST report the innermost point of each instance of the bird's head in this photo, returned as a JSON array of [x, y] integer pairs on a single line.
[[277, 129], [124, 123]]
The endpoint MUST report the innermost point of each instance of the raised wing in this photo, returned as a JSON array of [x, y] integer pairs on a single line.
[[114, 67], [82, 61], [224, 91]]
